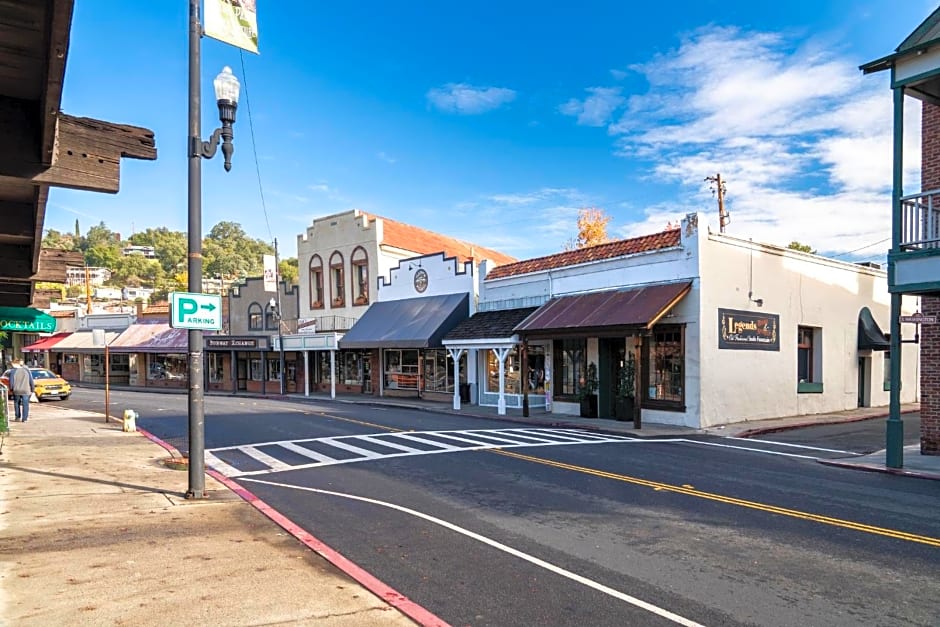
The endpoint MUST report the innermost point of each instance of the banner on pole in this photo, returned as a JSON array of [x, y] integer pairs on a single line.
[[233, 21], [270, 274]]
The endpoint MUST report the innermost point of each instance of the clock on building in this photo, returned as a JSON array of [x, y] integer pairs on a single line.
[[421, 280]]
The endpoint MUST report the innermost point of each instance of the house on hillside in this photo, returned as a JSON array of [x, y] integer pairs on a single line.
[[697, 328]]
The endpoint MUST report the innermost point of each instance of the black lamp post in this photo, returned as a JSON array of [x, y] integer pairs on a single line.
[[275, 306], [226, 92]]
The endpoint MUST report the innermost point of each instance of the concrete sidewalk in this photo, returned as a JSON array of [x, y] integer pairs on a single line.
[[95, 530]]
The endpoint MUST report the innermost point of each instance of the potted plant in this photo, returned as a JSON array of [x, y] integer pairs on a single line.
[[626, 390], [588, 392]]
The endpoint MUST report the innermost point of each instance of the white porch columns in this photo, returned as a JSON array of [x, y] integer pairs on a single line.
[[456, 354], [501, 354], [306, 373], [333, 374]]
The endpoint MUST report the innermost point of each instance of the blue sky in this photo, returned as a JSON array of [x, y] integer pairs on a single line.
[[494, 122]]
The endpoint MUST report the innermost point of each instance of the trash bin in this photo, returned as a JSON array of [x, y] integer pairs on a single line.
[[464, 392]]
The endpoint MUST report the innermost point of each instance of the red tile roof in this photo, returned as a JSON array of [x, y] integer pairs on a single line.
[[424, 242], [620, 248]]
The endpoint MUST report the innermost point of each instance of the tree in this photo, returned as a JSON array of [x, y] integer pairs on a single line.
[[230, 253], [803, 248], [170, 246], [99, 235], [592, 229], [102, 256], [289, 271], [57, 240]]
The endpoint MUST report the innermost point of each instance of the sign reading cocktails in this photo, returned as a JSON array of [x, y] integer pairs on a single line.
[[748, 330]]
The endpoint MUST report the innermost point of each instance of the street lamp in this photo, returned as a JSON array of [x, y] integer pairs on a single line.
[[275, 306], [226, 92], [226, 95]]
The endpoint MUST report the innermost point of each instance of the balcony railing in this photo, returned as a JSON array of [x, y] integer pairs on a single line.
[[326, 323], [920, 221]]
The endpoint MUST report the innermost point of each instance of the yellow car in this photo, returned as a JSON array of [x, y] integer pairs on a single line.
[[48, 384]]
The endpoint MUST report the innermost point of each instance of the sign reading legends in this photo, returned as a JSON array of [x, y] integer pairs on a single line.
[[195, 311], [748, 330]]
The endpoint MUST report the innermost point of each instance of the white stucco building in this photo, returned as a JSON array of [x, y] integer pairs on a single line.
[[716, 329]]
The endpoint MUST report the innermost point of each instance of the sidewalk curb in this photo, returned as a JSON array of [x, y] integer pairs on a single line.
[[749, 433], [866, 467], [374, 585]]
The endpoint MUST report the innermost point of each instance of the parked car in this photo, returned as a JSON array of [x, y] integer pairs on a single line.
[[48, 384]]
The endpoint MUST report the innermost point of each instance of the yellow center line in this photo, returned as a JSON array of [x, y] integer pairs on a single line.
[[690, 491], [773, 509]]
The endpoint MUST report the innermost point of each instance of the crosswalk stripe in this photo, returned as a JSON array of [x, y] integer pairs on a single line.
[[381, 441], [264, 458], [352, 449], [441, 445], [306, 452], [214, 462]]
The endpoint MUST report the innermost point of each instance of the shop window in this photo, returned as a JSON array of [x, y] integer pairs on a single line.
[[71, 358], [255, 317], [270, 320], [274, 369], [809, 360], [167, 368], [536, 371], [337, 283], [256, 370], [350, 365], [323, 374], [439, 370], [665, 372], [401, 369], [215, 368], [570, 363], [316, 282], [511, 374], [360, 273]]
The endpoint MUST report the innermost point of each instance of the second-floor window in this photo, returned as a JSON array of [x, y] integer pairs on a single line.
[[255, 317], [316, 282], [360, 273], [337, 284]]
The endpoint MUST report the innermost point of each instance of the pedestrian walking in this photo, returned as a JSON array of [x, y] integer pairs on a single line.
[[22, 386]]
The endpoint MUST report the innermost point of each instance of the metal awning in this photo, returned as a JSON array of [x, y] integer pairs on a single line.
[[870, 335], [46, 343], [637, 308], [488, 328], [151, 338], [408, 323], [26, 319], [84, 342]]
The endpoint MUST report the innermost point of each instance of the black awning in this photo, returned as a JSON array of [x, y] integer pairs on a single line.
[[409, 323], [870, 336]]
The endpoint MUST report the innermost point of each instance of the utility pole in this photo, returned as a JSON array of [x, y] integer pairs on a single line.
[[718, 186], [280, 316]]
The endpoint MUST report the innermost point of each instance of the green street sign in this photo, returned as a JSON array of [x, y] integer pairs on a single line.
[[195, 311]]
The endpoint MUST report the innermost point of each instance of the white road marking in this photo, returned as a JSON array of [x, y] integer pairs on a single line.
[[649, 607], [477, 440], [804, 446]]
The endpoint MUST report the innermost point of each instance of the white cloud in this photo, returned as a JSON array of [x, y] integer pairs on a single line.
[[596, 109], [387, 159], [469, 99], [618, 75], [801, 137]]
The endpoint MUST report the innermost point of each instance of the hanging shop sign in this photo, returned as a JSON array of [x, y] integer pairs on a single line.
[[240, 343], [748, 330]]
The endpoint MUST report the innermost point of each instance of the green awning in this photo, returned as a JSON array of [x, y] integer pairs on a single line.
[[26, 319]]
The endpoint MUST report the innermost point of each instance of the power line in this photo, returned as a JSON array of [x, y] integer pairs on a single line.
[[863, 247], [254, 146]]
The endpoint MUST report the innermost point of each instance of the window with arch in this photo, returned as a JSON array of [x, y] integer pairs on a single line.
[[255, 317], [337, 283], [316, 282], [360, 276]]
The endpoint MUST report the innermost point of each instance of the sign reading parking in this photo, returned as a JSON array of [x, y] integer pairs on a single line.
[[195, 311]]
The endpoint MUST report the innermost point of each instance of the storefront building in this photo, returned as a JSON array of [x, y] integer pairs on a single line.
[[150, 354], [343, 259], [423, 298], [694, 328]]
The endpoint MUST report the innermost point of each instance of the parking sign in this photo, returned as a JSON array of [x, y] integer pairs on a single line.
[[195, 311]]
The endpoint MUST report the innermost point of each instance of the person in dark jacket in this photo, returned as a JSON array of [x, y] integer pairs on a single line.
[[22, 386]]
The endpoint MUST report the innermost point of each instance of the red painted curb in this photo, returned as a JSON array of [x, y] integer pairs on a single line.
[[380, 589]]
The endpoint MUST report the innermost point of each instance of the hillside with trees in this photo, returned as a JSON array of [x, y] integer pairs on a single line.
[[229, 254]]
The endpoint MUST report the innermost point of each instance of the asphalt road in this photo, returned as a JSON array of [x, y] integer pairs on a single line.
[[864, 436], [493, 523]]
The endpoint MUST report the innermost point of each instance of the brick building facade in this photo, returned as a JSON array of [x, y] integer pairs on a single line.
[[930, 333]]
